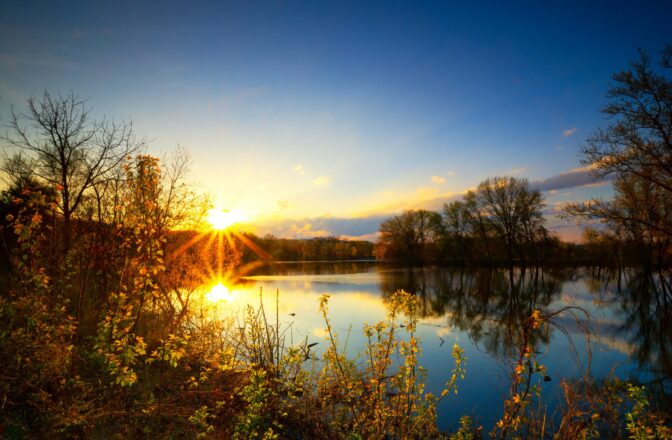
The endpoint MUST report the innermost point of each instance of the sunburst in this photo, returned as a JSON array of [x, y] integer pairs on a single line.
[[225, 230], [222, 219]]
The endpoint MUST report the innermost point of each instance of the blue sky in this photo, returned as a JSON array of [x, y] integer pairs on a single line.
[[322, 117]]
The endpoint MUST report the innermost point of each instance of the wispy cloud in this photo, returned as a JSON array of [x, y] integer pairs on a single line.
[[426, 192], [438, 180], [516, 171], [322, 181], [568, 132], [366, 227], [356, 227], [307, 230], [298, 169], [577, 177]]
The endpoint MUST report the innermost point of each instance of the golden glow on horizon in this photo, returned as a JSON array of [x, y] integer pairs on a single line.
[[219, 292], [221, 219]]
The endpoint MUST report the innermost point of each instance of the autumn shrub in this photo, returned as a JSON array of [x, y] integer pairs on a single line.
[[385, 397], [37, 334], [612, 408]]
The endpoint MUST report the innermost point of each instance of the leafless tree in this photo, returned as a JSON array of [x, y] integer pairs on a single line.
[[640, 138], [66, 148], [637, 149], [513, 209], [405, 236]]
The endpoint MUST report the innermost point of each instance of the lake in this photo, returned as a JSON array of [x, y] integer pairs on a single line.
[[619, 322]]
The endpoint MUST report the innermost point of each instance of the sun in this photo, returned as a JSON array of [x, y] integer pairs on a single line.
[[221, 219], [219, 292]]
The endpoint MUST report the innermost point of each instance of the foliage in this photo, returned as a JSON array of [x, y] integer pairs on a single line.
[[37, 334], [256, 422], [118, 340], [111, 336], [382, 400], [466, 430]]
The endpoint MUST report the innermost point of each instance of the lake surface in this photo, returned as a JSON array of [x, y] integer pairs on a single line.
[[628, 326]]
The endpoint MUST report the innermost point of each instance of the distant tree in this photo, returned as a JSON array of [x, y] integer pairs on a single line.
[[454, 230], [481, 228], [59, 143], [405, 237], [636, 148], [514, 210]]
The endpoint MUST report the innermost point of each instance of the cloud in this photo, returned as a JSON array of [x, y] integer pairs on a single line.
[[322, 181], [349, 228], [299, 169], [450, 173], [568, 132], [426, 192], [577, 177], [307, 230], [516, 171], [438, 180], [366, 227]]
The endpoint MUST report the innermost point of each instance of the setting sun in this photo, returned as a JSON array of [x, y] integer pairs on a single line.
[[221, 219]]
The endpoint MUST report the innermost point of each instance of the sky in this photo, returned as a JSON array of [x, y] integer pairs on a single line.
[[323, 118]]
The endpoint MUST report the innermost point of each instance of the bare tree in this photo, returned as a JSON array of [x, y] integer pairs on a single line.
[[513, 209], [640, 138], [406, 236], [180, 205], [69, 150], [637, 149]]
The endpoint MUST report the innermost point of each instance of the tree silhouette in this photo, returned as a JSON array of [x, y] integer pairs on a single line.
[[637, 149], [62, 146]]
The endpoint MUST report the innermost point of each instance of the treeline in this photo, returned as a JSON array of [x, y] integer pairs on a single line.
[[500, 221], [313, 249]]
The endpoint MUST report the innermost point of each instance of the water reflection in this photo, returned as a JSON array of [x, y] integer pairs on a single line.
[[482, 310], [220, 292], [644, 316]]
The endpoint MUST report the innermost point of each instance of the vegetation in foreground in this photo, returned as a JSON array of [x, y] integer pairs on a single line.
[[157, 363]]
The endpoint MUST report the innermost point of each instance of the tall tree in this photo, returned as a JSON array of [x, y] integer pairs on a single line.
[[406, 236], [65, 148], [514, 210], [636, 148]]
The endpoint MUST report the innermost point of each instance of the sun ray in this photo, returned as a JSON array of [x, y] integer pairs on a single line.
[[191, 242], [253, 247]]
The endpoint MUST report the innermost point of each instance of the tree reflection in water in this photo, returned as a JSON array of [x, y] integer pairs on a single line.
[[491, 304], [643, 303]]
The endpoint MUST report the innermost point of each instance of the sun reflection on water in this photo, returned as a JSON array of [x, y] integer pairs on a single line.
[[219, 292]]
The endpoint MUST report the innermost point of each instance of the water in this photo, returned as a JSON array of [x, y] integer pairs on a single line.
[[620, 325]]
